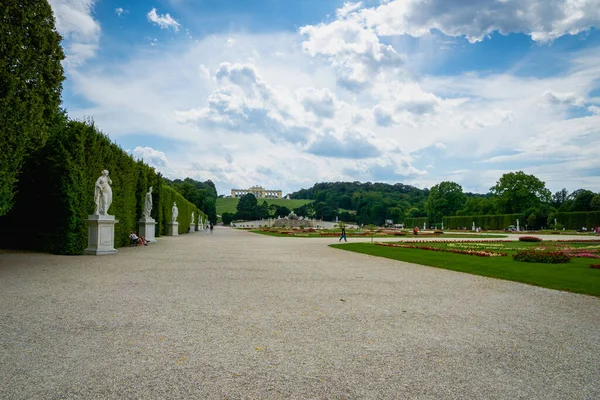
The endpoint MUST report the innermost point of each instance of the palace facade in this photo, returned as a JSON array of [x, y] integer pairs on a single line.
[[258, 192]]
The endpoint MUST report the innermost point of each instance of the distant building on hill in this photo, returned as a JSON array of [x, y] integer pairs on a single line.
[[258, 192]]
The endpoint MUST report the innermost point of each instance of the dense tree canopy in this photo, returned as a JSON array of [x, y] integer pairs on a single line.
[[201, 194], [445, 199], [516, 192], [31, 78]]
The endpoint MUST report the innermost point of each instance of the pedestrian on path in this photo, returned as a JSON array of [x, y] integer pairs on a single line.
[[343, 234], [211, 228]]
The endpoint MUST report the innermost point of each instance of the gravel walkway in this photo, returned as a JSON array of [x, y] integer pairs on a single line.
[[240, 315]]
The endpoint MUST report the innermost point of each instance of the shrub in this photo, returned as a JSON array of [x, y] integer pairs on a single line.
[[438, 232], [529, 239], [547, 257]]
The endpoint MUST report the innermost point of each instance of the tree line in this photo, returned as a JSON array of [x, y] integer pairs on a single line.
[[374, 203]]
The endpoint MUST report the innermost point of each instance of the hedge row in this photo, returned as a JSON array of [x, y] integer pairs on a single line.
[[576, 220], [56, 193], [412, 222], [484, 221]]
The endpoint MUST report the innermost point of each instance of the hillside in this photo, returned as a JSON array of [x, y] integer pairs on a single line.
[[230, 204]]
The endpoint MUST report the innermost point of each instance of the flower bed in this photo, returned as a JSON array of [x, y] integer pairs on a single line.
[[595, 266], [547, 257], [479, 253], [529, 239]]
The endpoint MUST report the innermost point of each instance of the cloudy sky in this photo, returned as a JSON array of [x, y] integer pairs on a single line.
[[286, 93]]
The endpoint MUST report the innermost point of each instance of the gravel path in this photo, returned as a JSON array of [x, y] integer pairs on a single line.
[[240, 315]]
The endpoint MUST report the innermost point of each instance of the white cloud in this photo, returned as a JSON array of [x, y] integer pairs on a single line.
[[568, 99], [151, 157], [165, 21], [269, 114], [543, 20], [119, 11], [79, 29], [594, 110], [352, 49]]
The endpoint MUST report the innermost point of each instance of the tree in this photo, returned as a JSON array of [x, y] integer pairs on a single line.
[[477, 206], [595, 203], [31, 78], [582, 200], [516, 192], [246, 206], [445, 199], [282, 211], [559, 197], [227, 218]]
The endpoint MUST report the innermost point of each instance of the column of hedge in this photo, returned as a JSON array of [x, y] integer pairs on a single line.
[[56, 193], [576, 220], [484, 221], [412, 222], [168, 195]]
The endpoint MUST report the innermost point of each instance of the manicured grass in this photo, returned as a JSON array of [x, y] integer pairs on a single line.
[[349, 233], [230, 204], [575, 276]]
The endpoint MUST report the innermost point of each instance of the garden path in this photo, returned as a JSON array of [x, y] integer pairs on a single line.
[[240, 315]]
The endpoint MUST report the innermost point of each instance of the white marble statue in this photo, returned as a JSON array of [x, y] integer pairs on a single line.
[[174, 212], [148, 203], [192, 223], [103, 194]]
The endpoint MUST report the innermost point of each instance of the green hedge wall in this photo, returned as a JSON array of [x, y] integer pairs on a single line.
[[576, 220], [412, 222], [56, 193], [484, 221]]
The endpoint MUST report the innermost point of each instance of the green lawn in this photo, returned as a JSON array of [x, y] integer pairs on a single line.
[[575, 276], [376, 237], [230, 204]]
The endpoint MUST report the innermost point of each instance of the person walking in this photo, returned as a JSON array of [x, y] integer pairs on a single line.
[[343, 234], [211, 228]]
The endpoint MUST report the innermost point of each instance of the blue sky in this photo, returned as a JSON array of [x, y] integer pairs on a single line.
[[284, 94]]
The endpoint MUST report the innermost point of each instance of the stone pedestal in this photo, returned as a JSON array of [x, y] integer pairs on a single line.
[[173, 229], [192, 228], [101, 235], [147, 227]]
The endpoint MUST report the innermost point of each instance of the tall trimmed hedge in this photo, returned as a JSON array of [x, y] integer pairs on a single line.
[[412, 222], [56, 193], [576, 220], [484, 221]]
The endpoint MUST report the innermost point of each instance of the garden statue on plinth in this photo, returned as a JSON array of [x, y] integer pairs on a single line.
[[101, 225], [192, 224], [147, 224], [174, 225], [103, 194]]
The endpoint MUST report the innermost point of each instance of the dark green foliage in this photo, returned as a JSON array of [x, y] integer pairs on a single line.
[[246, 207], [515, 192], [31, 78], [444, 200], [576, 220], [484, 221], [546, 257], [418, 222], [56, 193], [202, 194], [582, 200], [227, 218]]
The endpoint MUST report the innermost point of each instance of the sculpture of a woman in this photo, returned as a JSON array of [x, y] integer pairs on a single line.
[[103, 194], [148, 203], [174, 212]]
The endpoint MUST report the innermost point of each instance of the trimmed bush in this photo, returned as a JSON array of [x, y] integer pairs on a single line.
[[56, 193], [487, 222], [529, 239], [576, 220], [547, 257], [412, 222]]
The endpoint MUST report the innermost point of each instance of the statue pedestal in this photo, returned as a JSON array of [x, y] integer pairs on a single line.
[[147, 227], [173, 229], [101, 235], [192, 228]]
